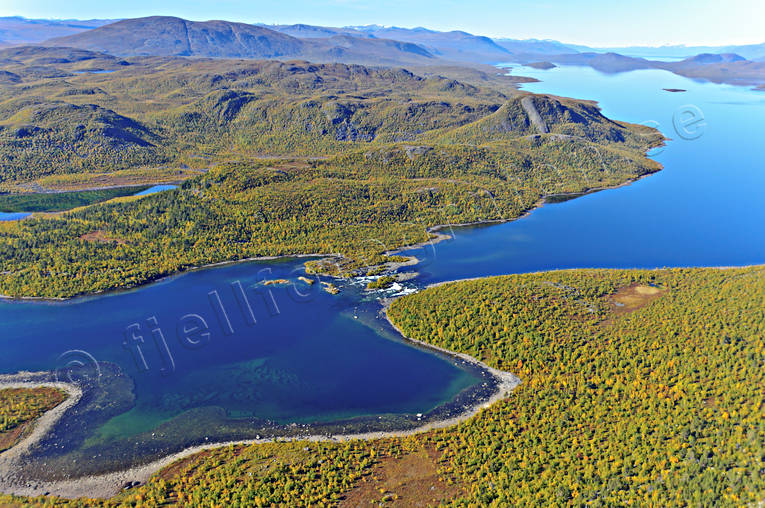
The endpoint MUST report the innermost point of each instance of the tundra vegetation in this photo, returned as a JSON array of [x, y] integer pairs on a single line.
[[639, 387], [289, 158], [20, 407]]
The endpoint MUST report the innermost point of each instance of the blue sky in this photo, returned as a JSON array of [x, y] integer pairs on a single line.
[[592, 22]]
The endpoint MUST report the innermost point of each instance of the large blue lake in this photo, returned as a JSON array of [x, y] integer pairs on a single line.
[[216, 354], [706, 208]]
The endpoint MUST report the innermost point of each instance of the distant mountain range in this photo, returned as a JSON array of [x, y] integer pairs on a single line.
[[373, 45], [454, 46], [18, 30], [728, 68], [749, 51], [170, 36], [535, 46], [614, 62]]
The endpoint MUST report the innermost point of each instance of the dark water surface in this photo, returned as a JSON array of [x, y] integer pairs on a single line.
[[191, 359], [215, 354]]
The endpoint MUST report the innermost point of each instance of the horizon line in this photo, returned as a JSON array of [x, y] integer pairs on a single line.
[[665, 45]]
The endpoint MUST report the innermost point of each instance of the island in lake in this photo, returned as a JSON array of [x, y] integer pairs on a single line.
[[541, 65]]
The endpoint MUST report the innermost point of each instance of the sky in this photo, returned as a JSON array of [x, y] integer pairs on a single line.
[[600, 23]]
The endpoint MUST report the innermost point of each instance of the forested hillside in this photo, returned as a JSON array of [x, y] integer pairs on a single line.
[[296, 158], [359, 204], [639, 387]]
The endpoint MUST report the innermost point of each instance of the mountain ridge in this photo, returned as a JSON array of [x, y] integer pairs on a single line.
[[386, 46], [172, 36]]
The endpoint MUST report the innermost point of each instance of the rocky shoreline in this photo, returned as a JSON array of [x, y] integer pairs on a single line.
[[109, 484]]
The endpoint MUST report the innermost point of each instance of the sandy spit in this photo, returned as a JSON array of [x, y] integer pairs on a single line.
[[41, 427]]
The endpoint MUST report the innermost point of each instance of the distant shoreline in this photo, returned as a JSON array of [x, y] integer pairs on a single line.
[[431, 230], [162, 278]]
